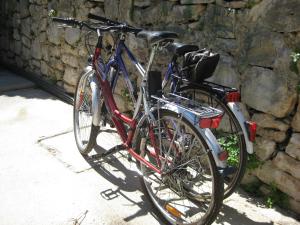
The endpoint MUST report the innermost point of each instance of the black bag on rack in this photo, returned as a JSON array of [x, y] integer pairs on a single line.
[[199, 65]]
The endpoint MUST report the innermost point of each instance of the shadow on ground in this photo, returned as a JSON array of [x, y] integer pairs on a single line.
[[129, 183], [229, 215]]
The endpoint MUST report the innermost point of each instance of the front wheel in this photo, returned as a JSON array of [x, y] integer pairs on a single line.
[[84, 130], [189, 189]]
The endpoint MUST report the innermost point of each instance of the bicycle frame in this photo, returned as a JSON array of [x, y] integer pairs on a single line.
[[119, 119]]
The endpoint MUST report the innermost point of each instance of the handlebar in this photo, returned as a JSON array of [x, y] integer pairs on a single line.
[[103, 19], [109, 26]]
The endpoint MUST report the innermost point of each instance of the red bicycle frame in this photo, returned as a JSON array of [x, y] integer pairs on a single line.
[[118, 118]]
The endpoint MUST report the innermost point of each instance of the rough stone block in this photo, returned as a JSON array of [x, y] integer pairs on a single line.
[[264, 148], [270, 174], [293, 148], [26, 41], [45, 52], [26, 53], [54, 34], [269, 121], [249, 178], [26, 27], [183, 13], [262, 90], [70, 60], [54, 51], [294, 205], [44, 68], [277, 15], [226, 73], [72, 35], [287, 164], [142, 3], [71, 76], [69, 88], [36, 50], [263, 46], [24, 8], [97, 11], [18, 47], [16, 34], [68, 49], [278, 136], [56, 64], [296, 119], [111, 9]]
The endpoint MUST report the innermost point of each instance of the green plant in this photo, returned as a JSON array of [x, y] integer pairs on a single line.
[[253, 188], [276, 197], [52, 13], [230, 144], [253, 162], [293, 64], [295, 56]]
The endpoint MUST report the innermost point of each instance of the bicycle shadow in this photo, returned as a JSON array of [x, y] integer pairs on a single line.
[[232, 216], [129, 182]]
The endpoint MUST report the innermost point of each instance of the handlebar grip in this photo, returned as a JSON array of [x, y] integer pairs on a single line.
[[102, 19], [67, 21]]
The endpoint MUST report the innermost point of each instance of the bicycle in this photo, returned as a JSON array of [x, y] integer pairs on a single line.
[[235, 134], [174, 155]]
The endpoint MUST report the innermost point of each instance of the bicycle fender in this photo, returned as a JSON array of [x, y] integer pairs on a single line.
[[206, 133], [88, 73], [240, 117]]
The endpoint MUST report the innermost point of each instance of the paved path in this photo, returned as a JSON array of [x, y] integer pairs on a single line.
[[44, 180]]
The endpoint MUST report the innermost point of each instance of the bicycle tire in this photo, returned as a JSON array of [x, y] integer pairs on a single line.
[[212, 208], [231, 183], [83, 94]]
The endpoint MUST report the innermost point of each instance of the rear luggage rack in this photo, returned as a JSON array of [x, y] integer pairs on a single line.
[[200, 110]]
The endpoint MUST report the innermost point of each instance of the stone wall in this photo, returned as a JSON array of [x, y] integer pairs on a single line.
[[255, 38]]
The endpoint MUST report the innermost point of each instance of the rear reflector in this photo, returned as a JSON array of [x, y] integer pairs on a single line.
[[212, 122], [233, 96], [251, 127], [223, 155], [175, 212]]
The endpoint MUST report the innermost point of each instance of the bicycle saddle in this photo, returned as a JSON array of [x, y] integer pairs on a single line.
[[180, 48], [156, 36]]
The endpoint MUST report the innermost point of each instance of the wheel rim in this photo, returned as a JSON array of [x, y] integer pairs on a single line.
[[185, 195], [83, 113]]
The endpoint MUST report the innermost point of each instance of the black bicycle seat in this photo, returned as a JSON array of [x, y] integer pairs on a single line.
[[180, 48], [156, 36]]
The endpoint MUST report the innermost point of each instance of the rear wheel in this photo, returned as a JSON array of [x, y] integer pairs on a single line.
[[229, 135], [190, 189], [84, 130]]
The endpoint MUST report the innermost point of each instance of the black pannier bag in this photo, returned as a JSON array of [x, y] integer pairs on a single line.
[[199, 65]]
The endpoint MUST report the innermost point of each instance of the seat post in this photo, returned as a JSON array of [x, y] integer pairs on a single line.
[[153, 52]]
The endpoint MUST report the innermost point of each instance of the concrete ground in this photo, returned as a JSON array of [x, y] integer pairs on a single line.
[[44, 180]]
